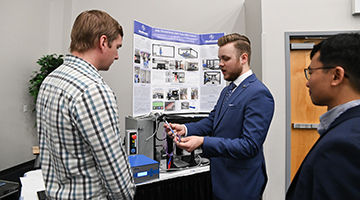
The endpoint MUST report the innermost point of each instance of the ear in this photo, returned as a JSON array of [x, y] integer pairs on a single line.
[[103, 42], [243, 58], [338, 76]]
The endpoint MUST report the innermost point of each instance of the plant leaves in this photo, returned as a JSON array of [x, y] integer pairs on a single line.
[[48, 64]]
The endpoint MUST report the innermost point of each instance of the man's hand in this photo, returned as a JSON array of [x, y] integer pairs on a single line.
[[190, 143], [179, 130]]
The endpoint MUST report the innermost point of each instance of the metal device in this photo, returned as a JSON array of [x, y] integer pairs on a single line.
[[8, 188], [138, 138], [143, 168]]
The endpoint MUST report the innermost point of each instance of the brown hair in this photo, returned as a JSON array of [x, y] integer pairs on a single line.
[[241, 43], [89, 26]]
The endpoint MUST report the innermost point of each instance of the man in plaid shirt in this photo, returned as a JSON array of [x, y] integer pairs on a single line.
[[78, 121]]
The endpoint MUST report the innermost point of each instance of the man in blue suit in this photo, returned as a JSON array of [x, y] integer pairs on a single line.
[[237, 126], [331, 170]]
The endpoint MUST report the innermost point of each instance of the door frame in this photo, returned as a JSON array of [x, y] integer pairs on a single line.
[[288, 37]]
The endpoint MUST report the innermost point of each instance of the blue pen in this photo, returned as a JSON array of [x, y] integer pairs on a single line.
[[167, 123]]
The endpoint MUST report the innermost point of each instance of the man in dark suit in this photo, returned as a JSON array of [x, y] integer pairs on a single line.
[[331, 170], [237, 126]]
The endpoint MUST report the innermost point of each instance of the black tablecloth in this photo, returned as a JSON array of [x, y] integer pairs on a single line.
[[193, 187]]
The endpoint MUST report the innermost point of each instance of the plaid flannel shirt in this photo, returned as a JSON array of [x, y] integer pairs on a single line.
[[79, 134]]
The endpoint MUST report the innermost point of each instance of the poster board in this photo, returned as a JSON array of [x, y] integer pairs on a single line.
[[174, 71]]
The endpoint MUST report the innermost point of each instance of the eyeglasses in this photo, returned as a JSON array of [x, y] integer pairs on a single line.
[[307, 71]]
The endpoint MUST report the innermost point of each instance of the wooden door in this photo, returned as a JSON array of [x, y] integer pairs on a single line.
[[304, 114]]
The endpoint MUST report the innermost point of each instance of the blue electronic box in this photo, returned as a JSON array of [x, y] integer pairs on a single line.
[[143, 168]]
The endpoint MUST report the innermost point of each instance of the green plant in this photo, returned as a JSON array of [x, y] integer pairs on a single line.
[[48, 64]]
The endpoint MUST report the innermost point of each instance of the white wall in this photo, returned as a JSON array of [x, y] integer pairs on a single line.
[[24, 33], [279, 16], [253, 28]]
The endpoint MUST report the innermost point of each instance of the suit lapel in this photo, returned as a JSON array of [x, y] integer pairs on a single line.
[[220, 112]]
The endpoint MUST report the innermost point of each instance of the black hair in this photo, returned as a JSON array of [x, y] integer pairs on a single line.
[[342, 50], [315, 49]]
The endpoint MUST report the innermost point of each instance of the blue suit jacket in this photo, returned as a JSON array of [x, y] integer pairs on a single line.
[[235, 145], [331, 170]]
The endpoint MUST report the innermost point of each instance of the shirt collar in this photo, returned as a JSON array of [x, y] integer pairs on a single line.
[[83, 65], [242, 77], [327, 118]]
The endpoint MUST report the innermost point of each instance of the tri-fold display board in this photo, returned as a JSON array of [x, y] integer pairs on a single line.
[[174, 71]]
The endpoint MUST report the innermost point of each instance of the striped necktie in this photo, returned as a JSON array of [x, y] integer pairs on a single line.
[[228, 93]]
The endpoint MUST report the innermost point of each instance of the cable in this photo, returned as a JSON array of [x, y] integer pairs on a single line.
[[159, 117], [157, 122], [200, 164], [155, 131], [166, 151]]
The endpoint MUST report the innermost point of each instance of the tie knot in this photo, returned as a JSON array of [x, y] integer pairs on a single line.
[[232, 86]]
